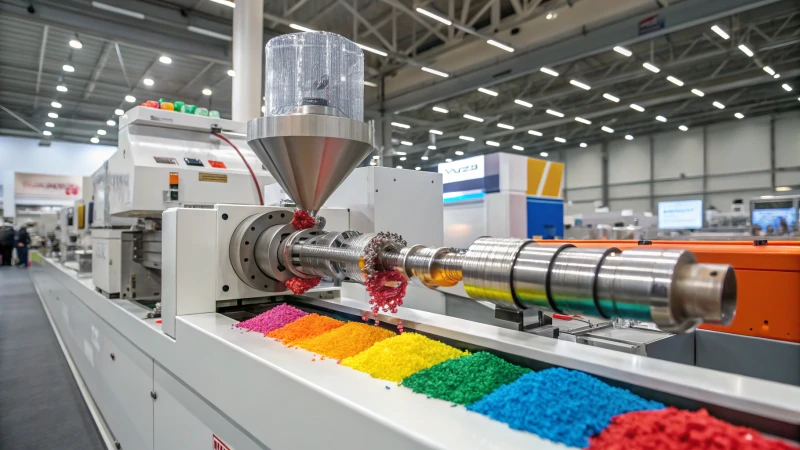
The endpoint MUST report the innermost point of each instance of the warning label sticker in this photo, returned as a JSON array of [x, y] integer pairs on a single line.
[[213, 177], [218, 444]]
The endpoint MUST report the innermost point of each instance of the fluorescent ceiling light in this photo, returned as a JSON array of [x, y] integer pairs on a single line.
[[400, 153], [554, 113], [471, 117], [435, 72], [398, 167], [47, 133], [55, 104], [628, 137], [101, 132], [370, 84], [769, 70], [719, 105], [507, 127], [551, 16], [661, 118], [517, 147], [61, 88], [698, 92], [441, 110], [459, 153], [406, 143], [297, 27], [400, 125], [403, 158], [424, 158], [49, 124], [534, 132], [119, 112], [488, 92], [209, 33], [636, 107], [437, 132], [52, 115], [448, 160], [231, 73], [111, 123], [623, 51], [373, 50], [786, 87], [651, 67], [683, 128], [720, 32], [607, 129], [582, 120], [130, 99], [544, 154], [746, 50], [776, 76], [674, 80], [559, 139], [500, 45], [94, 140], [164, 59], [739, 115], [417, 168], [148, 82], [493, 143], [549, 71], [579, 84], [207, 91], [467, 138], [584, 145], [523, 103], [783, 188], [433, 16], [608, 96], [74, 43], [114, 9], [225, 2], [431, 147], [68, 68]]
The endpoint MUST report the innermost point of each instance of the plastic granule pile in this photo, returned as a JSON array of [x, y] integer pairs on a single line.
[[675, 429], [464, 380], [561, 405], [307, 327], [396, 358], [273, 319], [345, 341]]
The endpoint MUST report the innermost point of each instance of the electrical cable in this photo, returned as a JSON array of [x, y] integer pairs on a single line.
[[253, 174]]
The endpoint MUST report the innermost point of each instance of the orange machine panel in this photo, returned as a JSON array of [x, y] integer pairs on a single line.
[[767, 278]]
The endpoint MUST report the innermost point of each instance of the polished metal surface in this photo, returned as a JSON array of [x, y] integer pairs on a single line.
[[530, 274], [241, 249], [267, 248], [286, 252], [309, 155], [487, 269], [573, 277], [707, 291]]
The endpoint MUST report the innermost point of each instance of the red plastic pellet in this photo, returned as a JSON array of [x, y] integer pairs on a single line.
[[676, 429], [303, 220], [301, 285], [386, 289]]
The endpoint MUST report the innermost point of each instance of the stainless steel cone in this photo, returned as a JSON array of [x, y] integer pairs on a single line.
[[309, 155]]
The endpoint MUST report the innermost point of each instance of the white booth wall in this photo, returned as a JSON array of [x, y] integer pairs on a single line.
[[60, 158], [732, 159]]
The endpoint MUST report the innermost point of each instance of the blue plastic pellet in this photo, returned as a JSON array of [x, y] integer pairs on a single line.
[[561, 405]]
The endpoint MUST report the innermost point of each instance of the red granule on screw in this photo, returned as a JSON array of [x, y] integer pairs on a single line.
[[302, 285], [302, 220], [386, 289], [675, 429]]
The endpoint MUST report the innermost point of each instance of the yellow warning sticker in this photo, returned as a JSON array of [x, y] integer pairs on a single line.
[[213, 177]]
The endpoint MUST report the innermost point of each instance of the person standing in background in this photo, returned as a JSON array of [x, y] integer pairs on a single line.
[[6, 242], [23, 241]]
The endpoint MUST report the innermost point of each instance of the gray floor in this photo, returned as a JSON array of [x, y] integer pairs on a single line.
[[40, 404]]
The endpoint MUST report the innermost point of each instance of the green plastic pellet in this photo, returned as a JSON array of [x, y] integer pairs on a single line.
[[178, 105], [201, 112], [189, 109], [213, 113]]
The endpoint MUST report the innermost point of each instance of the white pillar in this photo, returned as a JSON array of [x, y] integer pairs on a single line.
[[248, 54], [7, 177]]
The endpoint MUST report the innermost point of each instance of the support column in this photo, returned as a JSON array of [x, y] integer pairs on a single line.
[[705, 167], [248, 56], [773, 182], [652, 173], [604, 173], [9, 202]]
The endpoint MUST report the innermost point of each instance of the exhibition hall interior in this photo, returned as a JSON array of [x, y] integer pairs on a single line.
[[400, 224]]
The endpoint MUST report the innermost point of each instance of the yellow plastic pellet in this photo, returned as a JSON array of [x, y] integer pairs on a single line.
[[396, 358]]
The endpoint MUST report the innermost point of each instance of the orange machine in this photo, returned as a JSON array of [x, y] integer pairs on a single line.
[[768, 282]]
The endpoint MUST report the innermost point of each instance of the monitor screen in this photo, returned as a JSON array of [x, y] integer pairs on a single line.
[[775, 214], [680, 215]]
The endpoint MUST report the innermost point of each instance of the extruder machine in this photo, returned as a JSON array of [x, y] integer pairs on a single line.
[[224, 259]]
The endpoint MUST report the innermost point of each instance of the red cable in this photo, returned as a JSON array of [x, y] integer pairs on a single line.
[[253, 174]]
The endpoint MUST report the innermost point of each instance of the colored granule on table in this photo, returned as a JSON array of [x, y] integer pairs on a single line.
[[561, 405], [273, 319], [464, 380], [307, 327], [675, 429], [398, 357], [346, 341]]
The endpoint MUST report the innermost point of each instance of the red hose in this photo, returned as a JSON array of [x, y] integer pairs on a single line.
[[253, 174]]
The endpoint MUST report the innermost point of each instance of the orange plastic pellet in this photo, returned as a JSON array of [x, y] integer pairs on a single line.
[[348, 340], [306, 327]]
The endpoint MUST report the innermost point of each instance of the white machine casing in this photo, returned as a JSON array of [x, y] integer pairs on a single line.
[[106, 260], [155, 143]]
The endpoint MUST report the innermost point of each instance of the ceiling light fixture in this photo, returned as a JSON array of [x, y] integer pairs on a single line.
[[488, 92], [130, 99], [720, 32], [674, 80], [61, 88], [424, 158], [47, 133], [373, 50], [623, 51], [440, 110], [651, 67], [398, 167], [94, 140], [769, 70], [517, 147], [437, 132], [400, 125], [786, 87], [507, 127], [698, 93], [560, 139], [459, 153], [231, 73], [417, 168], [471, 117], [783, 188], [467, 138], [523, 103], [628, 137], [607, 129], [577, 83], [111, 123], [544, 154], [119, 112], [719, 105], [746, 50], [739, 115], [636, 107], [776, 76], [74, 43], [55, 104], [209, 33], [370, 84], [500, 45], [101, 132], [435, 72], [403, 158], [52, 115], [582, 120], [225, 2], [376, 156], [554, 113], [297, 27], [433, 16], [49, 124], [164, 59], [661, 118], [584, 145], [551, 16], [683, 128], [608, 96], [206, 91], [431, 147], [549, 71], [534, 132], [148, 82], [493, 143], [448, 160], [114, 9], [406, 143], [68, 68]]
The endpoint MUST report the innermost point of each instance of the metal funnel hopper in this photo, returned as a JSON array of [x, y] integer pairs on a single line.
[[308, 152]]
